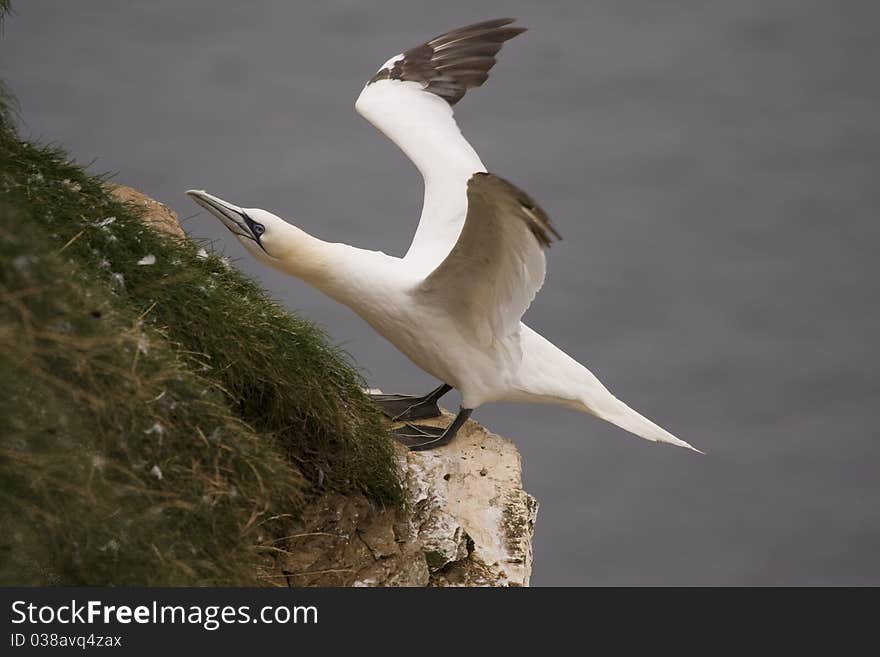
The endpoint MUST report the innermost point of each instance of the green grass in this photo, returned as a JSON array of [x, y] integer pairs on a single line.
[[112, 372]]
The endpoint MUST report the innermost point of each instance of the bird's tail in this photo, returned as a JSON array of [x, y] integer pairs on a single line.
[[555, 377], [606, 406]]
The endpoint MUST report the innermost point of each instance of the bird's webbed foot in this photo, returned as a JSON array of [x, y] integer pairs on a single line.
[[419, 437], [406, 407], [411, 407]]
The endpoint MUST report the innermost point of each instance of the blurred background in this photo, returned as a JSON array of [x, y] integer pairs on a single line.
[[713, 167]]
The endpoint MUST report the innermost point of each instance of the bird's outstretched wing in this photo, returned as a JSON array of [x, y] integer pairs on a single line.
[[410, 100], [497, 265]]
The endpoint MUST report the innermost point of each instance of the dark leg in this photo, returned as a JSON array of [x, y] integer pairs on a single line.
[[419, 437], [411, 407]]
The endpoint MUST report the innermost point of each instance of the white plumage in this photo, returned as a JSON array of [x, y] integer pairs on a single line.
[[454, 302]]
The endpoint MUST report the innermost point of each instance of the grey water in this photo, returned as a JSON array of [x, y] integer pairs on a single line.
[[713, 167]]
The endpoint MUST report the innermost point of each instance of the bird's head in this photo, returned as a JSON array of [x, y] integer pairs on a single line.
[[261, 232]]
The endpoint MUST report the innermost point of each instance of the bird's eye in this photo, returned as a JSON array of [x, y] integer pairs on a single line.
[[259, 229]]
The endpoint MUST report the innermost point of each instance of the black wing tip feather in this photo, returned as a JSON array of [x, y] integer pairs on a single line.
[[455, 61], [533, 214]]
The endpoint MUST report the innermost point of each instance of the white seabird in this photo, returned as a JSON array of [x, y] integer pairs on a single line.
[[453, 303]]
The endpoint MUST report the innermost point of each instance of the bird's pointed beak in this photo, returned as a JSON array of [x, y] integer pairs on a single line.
[[232, 216]]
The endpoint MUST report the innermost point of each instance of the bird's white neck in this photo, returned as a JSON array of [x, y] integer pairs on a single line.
[[340, 271], [301, 255]]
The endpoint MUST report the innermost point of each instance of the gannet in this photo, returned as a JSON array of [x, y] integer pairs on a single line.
[[454, 302]]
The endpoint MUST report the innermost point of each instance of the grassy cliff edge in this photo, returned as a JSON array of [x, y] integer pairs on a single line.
[[163, 420]]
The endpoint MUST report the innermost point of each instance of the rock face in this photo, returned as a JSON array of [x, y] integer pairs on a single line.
[[467, 522], [157, 215]]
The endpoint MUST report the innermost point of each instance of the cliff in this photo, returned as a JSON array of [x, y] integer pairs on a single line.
[[168, 424], [466, 520]]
